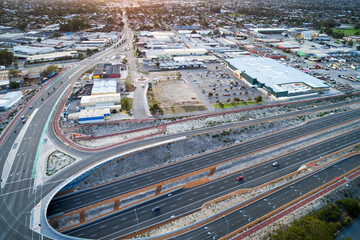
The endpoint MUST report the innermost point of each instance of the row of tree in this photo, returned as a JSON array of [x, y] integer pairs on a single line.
[[323, 224]]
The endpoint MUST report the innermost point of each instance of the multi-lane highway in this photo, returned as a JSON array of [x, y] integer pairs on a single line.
[[86, 197], [187, 200], [253, 211], [19, 196]]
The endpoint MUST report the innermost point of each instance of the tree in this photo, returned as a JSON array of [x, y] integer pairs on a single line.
[[50, 69], [6, 57], [14, 72], [216, 32], [81, 56], [258, 98], [330, 212], [358, 48], [38, 40], [210, 94], [138, 52], [124, 61], [14, 85], [56, 35], [350, 205]]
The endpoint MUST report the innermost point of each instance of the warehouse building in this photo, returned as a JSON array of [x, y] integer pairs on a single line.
[[154, 54], [100, 100], [226, 43], [108, 70], [94, 115], [102, 86], [29, 50], [276, 78], [56, 56]]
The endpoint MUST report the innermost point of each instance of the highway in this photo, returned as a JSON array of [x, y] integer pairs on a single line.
[[237, 219], [19, 196], [126, 222], [86, 197]]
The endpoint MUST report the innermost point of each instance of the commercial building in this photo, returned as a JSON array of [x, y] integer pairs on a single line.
[[102, 86], [94, 115], [11, 38], [154, 54], [90, 115], [9, 99], [274, 77], [226, 43], [109, 70], [100, 100], [269, 30], [30, 50], [51, 56]]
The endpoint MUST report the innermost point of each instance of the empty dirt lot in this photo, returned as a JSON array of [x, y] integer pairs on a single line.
[[177, 96]]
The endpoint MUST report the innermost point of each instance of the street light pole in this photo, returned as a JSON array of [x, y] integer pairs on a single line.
[[137, 220]]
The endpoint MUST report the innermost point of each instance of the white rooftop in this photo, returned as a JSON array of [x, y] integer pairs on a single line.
[[103, 86], [274, 74]]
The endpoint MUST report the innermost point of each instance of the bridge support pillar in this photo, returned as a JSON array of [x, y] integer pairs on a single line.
[[82, 217], [212, 171], [116, 204], [158, 189]]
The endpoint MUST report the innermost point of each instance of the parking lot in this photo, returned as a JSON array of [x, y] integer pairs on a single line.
[[217, 83]]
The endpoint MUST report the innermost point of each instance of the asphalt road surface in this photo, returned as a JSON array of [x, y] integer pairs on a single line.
[[125, 222], [18, 197], [98, 194], [240, 218]]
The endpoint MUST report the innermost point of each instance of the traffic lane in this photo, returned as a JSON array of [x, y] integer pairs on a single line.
[[162, 172], [19, 230], [253, 211], [21, 172], [19, 194], [115, 150], [66, 204], [195, 197]]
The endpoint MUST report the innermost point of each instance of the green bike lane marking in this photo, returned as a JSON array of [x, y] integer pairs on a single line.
[[58, 78], [44, 130]]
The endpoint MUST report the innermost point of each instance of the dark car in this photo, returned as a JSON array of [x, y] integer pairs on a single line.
[[155, 209], [240, 178]]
